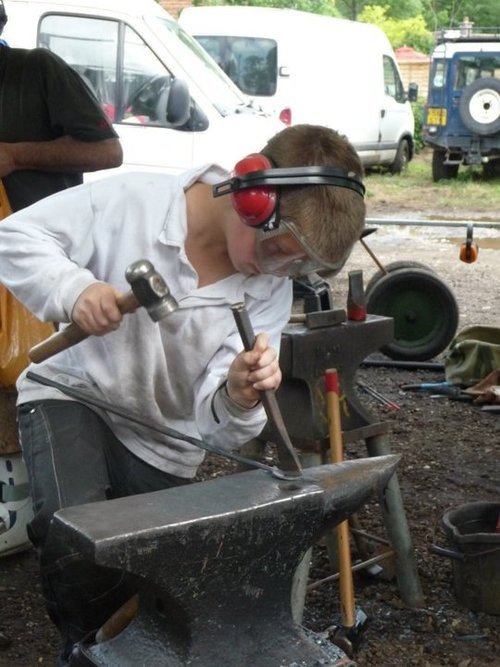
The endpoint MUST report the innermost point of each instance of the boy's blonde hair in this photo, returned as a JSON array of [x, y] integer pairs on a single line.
[[330, 217]]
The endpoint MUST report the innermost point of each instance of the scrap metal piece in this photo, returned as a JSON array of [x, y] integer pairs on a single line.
[[319, 318], [356, 299]]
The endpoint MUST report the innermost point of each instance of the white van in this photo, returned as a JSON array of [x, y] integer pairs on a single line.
[[172, 107], [309, 68]]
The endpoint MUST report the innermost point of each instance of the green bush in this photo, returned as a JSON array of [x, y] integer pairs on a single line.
[[418, 112]]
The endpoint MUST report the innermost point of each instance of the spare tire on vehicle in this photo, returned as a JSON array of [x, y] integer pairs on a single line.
[[480, 106], [424, 310]]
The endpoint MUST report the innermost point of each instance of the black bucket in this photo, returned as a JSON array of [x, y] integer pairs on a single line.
[[475, 553]]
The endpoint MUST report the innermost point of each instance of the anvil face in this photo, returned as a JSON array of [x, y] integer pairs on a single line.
[[217, 560]]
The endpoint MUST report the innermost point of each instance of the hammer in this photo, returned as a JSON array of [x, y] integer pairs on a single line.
[[148, 290], [353, 620]]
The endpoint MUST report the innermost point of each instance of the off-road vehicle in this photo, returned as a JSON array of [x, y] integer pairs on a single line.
[[462, 115]]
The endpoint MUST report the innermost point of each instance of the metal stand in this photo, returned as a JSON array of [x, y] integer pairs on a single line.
[[306, 352]]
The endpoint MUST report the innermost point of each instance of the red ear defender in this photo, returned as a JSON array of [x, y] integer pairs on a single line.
[[254, 205]]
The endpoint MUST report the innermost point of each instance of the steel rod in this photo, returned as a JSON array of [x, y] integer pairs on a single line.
[[358, 566], [431, 223]]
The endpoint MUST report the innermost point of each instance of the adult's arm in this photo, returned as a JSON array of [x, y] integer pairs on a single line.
[[62, 154], [70, 131]]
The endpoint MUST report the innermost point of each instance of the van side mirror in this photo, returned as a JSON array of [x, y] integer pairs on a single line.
[[412, 92], [174, 104]]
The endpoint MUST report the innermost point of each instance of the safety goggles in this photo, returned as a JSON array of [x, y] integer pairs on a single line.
[[284, 251]]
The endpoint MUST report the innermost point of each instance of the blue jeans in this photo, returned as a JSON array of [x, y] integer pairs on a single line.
[[73, 458]]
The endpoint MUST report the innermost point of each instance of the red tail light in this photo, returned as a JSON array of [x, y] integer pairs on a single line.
[[286, 116]]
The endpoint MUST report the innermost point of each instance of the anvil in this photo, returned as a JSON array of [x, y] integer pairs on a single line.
[[215, 563]]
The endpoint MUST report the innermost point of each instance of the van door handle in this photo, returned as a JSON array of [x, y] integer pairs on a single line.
[[382, 113]]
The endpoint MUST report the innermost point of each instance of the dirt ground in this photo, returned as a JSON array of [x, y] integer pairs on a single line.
[[450, 456]]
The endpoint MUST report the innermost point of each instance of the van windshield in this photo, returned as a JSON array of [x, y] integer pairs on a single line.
[[250, 62], [125, 74], [224, 94]]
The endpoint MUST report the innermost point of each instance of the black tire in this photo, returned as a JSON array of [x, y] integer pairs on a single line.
[[491, 169], [424, 310], [395, 266], [479, 106], [403, 156], [440, 170]]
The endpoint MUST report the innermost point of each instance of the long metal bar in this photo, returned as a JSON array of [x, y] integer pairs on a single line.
[[373, 256], [398, 530], [85, 397], [364, 565], [431, 223]]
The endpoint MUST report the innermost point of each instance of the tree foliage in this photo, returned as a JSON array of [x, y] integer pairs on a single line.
[[447, 13], [403, 32], [396, 9], [406, 22], [315, 6], [350, 9]]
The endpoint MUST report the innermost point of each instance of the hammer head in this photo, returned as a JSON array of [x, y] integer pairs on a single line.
[[349, 638], [150, 289]]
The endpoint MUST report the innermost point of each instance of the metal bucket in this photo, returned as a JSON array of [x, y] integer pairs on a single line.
[[475, 551]]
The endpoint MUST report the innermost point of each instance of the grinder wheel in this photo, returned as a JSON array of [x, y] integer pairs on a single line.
[[424, 310]]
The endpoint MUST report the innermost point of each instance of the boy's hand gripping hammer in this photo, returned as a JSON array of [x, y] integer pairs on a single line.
[[148, 289]]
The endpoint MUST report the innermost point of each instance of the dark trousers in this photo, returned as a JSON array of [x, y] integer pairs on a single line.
[[73, 458]]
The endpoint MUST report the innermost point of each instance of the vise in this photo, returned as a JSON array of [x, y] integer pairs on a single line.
[[215, 563], [306, 352]]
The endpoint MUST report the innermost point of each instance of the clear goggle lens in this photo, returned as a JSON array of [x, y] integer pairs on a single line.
[[285, 252]]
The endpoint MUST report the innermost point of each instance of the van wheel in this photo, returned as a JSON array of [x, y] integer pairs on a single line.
[[480, 106], [424, 310], [402, 158], [440, 170], [491, 169]]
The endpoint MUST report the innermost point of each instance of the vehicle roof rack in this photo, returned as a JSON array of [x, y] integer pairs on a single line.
[[467, 32]]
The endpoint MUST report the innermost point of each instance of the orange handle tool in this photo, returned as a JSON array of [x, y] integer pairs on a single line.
[[346, 585]]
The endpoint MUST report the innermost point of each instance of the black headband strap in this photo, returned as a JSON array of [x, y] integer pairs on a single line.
[[290, 176]]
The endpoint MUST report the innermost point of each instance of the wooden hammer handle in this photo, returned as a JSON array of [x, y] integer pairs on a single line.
[[72, 334], [346, 585]]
